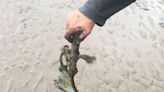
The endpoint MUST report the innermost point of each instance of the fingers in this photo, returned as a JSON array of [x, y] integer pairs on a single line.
[[76, 34], [69, 36]]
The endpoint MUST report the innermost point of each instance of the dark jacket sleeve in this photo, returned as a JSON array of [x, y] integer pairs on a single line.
[[100, 10]]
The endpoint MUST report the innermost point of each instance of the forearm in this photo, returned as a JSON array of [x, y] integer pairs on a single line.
[[100, 10]]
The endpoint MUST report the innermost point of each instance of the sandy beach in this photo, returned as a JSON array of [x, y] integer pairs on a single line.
[[129, 48]]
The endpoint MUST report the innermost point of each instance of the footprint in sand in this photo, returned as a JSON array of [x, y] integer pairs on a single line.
[[143, 34], [154, 45], [161, 2], [146, 9], [152, 36], [161, 41], [161, 25], [161, 52], [159, 7], [151, 21], [143, 26], [127, 12], [137, 52]]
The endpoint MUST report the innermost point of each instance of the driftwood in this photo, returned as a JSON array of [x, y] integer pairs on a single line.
[[71, 57]]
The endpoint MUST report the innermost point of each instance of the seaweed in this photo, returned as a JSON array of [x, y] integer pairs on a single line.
[[68, 69]]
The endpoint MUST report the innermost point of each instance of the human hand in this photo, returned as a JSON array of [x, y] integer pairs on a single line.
[[77, 20]]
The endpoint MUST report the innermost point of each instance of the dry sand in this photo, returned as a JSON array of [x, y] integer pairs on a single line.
[[129, 48]]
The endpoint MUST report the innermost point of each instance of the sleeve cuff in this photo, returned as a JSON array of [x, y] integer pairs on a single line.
[[90, 13]]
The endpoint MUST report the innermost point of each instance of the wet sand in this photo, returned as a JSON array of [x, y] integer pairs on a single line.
[[129, 48]]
